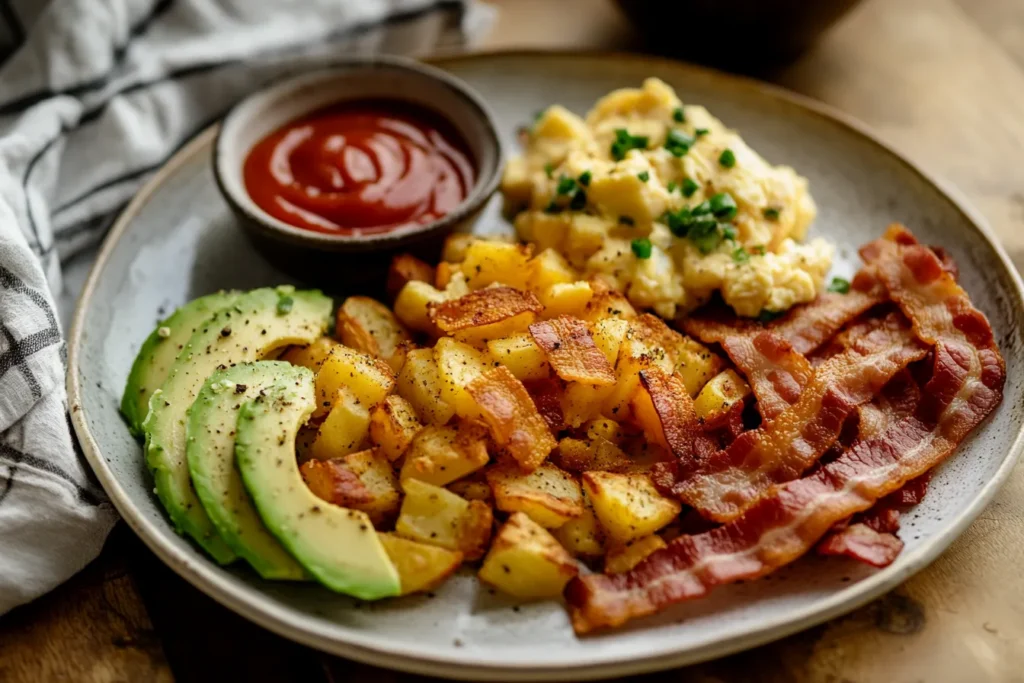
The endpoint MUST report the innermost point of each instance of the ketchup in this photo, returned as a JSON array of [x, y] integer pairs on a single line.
[[360, 167]]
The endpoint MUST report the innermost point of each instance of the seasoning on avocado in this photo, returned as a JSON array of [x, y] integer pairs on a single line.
[[771, 213], [727, 158], [723, 206], [641, 247], [678, 115], [584, 178], [678, 143], [690, 186], [625, 142], [840, 285], [644, 176]]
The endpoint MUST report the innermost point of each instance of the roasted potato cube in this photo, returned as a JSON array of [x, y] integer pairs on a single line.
[[586, 234], [473, 487], [550, 496], [549, 268], [637, 353], [566, 298], [444, 274], [420, 566], [420, 384], [623, 558], [346, 429], [406, 268], [696, 364], [512, 417], [581, 455], [542, 230], [603, 428], [366, 378], [487, 262], [582, 536], [719, 395], [607, 303], [361, 481], [485, 314], [440, 455], [411, 305], [628, 506], [455, 246], [526, 561], [433, 515], [367, 325], [521, 355], [583, 402], [312, 356], [458, 364], [393, 424], [608, 334]]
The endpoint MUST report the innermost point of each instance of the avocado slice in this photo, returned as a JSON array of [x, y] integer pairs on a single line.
[[254, 325], [158, 352], [210, 439], [336, 545]]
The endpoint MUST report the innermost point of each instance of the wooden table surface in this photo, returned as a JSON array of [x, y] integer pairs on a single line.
[[941, 80]]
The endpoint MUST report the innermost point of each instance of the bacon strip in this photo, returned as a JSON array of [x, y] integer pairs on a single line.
[[482, 307], [781, 450], [861, 542], [965, 387], [571, 351]]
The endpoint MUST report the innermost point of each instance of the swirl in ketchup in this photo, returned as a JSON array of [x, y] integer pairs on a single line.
[[360, 167]]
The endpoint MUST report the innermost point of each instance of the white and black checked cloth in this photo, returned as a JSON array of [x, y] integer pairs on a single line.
[[95, 95]]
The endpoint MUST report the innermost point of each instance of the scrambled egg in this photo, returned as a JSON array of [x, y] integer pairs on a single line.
[[665, 203]]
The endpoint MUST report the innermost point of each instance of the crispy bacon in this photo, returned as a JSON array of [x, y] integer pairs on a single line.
[[965, 387], [665, 410], [860, 542], [571, 351], [482, 307], [781, 450], [547, 396]]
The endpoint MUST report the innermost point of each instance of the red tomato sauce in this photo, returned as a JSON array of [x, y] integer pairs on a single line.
[[361, 167]]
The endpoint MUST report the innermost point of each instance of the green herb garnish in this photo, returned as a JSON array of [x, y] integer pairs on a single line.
[[701, 132], [584, 178], [705, 235], [284, 304], [644, 176], [727, 158], [565, 185], [771, 213], [723, 206], [678, 143], [740, 255], [671, 187], [689, 187], [840, 285], [625, 142], [701, 209], [641, 247], [729, 232], [549, 170], [678, 115], [552, 207], [578, 201], [678, 222]]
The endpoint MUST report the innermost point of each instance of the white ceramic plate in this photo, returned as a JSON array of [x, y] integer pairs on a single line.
[[177, 240]]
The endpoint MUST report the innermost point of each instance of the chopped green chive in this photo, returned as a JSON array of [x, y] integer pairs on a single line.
[[689, 187], [840, 285], [549, 170], [644, 176], [740, 255], [584, 178], [758, 249], [701, 132], [538, 114], [626, 220], [727, 158], [678, 222], [704, 233], [284, 304], [578, 201], [565, 185], [701, 209], [723, 206], [729, 232], [641, 247], [771, 213], [552, 207], [678, 143], [625, 142], [678, 115], [767, 316], [671, 187]]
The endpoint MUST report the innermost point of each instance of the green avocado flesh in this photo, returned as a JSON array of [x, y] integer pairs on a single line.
[[254, 325], [158, 352], [336, 545], [210, 437]]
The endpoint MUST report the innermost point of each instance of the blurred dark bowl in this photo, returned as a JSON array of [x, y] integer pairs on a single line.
[[746, 35]]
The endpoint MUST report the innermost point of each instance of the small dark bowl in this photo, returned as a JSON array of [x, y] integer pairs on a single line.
[[745, 35], [339, 261]]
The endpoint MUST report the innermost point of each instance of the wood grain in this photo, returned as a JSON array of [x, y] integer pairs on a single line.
[[941, 80]]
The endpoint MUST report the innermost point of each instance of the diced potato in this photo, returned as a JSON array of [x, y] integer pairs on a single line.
[[719, 395], [636, 353], [367, 325], [407, 268], [361, 481], [608, 334], [582, 455], [411, 305], [420, 566], [623, 558], [582, 536], [628, 506], [473, 487], [457, 286], [312, 356], [455, 246], [694, 362], [526, 561], [586, 235], [366, 378], [607, 303], [521, 355], [444, 274], [583, 402], [393, 424], [433, 515], [550, 496], [420, 384], [458, 365], [346, 429], [440, 455], [566, 298], [487, 262], [550, 268], [512, 417], [543, 230]]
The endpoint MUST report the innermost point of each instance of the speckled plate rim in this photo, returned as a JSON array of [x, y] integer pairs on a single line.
[[370, 649]]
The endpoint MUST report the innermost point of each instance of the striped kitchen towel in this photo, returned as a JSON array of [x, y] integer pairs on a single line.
[[95, 95]]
